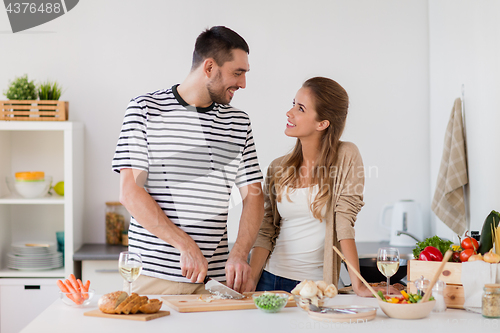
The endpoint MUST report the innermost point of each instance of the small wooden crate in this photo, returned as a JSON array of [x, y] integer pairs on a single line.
[[34, 110], [452, 272]]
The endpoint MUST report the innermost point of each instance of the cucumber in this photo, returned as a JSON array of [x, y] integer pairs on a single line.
[[486, 239]]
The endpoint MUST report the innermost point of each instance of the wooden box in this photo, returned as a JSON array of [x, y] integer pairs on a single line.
[[452, 272], [34, 110]]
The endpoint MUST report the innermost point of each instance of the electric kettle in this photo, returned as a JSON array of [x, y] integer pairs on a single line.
[[407, 225]]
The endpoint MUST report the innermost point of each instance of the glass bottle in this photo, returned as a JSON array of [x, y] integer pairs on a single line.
[[115, 222], [491, 301]]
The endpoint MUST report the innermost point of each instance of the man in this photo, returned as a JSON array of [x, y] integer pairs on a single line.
[[179, 154]]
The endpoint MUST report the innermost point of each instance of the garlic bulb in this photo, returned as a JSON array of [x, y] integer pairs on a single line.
[[309, 289], [321, 285], [296, 290], [331, 291]]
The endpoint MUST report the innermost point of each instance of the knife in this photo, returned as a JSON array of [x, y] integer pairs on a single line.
[[217, 288]]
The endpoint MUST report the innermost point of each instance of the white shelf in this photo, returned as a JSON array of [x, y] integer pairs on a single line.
[[50, 273], [39, 125], [53, 200]]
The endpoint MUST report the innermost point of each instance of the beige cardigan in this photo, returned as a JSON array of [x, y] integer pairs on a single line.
[[348, 200]]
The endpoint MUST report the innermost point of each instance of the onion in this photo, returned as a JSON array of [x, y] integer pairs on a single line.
[[476, 257], [491, 257], [321, 285], [298, 288]]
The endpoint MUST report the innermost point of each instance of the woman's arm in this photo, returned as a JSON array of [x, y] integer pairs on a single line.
[[351, 254], [257, 261]]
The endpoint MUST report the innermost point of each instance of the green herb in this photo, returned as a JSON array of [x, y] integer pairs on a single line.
[[435, 241], [270, 302], [21, 89], [49, 91]]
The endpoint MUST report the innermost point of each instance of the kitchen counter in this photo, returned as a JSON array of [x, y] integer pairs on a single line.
[[98, 252], [60, 318]]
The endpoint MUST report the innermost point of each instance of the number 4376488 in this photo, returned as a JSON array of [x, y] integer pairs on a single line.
[[27, 7]]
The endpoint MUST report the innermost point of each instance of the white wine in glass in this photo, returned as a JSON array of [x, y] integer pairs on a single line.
[[388, 262], [130, 265]]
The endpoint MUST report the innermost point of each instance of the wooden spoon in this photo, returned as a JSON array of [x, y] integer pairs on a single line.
[[428, 291], [357, 274]]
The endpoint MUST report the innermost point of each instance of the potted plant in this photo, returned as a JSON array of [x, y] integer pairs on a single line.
[[49, 91], [21, 89]]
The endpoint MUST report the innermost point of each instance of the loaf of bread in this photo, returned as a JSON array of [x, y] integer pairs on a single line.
[[119, 302], [109, 302]]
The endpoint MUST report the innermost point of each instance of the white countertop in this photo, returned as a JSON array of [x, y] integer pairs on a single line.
[[60, 318]]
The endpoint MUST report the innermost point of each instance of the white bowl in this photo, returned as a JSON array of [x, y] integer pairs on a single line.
[[29, 189], [82, 299], [407, 311]]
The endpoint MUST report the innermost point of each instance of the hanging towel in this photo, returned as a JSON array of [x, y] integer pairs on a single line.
[[448, 203]]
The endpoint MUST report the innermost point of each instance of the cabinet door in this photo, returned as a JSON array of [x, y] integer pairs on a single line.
[[103, 275], [24, 299]]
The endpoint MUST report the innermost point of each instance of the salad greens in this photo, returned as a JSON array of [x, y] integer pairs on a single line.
[[440, 244]]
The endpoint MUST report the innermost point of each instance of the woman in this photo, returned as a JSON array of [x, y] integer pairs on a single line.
[[312, 196]]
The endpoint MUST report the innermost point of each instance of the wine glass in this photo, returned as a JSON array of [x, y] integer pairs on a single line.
[[130, 265], [388, 262]]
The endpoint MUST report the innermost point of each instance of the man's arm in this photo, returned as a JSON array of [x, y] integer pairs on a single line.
[[238, 271], [149, 214]]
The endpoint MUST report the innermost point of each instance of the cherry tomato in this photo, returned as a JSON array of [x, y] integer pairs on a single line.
[[470, 243], [455, 257], [465, 254]]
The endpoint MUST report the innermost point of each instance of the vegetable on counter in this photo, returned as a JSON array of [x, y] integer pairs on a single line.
[[486, 238], [434, 241], [431, 253], [406, 299], [75, 289]]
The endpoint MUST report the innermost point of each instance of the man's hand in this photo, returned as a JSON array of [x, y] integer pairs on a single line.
[[238, 273], [194, 265]]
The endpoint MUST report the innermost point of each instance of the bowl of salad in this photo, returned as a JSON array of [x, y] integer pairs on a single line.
[[406, 306], [270, 302]]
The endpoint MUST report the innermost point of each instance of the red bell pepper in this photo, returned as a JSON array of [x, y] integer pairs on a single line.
[[431, 253]]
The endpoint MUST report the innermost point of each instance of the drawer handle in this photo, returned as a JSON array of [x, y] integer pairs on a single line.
[[106, 271], [26, 287]]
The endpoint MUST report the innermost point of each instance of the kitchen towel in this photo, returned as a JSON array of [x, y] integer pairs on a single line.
[[448, 203], [475, 275]]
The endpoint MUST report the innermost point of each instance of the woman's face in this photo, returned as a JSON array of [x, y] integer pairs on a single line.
[[302, 117]]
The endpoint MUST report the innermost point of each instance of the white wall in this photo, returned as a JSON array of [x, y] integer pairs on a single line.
[[465, 50], [105, 52]]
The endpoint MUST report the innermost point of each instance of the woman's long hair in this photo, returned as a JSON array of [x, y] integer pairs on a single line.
[[331, 103]]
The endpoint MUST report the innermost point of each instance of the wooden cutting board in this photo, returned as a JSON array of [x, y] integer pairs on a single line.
[[193, 303], [137, 316]]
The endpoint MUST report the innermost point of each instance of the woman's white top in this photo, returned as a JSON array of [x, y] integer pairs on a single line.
[[298, 254]]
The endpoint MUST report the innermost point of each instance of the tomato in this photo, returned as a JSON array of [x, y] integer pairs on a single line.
[[455, 257], [465, 254], [470, 243]]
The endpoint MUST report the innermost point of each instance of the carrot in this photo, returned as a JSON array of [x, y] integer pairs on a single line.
[[82, 288], [72, 278], [62, 286], [87, 285], [76, 295], [65, 290]]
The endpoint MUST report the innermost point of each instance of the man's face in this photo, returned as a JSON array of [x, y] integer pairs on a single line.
[[228, 78]]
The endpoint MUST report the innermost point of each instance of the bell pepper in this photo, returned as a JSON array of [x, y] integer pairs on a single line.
[[431, 253]]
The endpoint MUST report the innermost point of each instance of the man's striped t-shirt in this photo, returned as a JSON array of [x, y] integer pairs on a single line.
[[193, 157]]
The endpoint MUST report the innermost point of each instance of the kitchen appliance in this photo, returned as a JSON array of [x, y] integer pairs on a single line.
[[406, 223]]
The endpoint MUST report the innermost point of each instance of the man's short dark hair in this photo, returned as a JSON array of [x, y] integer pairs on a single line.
[[217, 43]]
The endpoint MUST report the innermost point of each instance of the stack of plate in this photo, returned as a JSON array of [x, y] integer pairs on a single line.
[[34, 256]]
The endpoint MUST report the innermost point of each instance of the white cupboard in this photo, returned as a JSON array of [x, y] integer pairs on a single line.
[[56, 148]]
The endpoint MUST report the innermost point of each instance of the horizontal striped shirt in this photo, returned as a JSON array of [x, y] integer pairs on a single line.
[[193, 157]]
